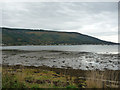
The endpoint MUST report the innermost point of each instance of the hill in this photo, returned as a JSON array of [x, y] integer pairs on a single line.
[[14, 36]]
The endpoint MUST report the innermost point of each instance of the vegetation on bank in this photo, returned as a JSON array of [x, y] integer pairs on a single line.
[[38, 78], [12, 36], [44, 77]]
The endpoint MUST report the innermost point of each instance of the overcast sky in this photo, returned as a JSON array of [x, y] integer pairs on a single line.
[[95, 19]]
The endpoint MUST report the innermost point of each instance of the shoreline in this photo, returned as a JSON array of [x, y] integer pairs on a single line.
[[69, 71], [62, 45], [61, 59]]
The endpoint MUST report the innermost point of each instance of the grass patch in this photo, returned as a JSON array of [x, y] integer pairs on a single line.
[[24, 77], [31, 77], [10, 81]]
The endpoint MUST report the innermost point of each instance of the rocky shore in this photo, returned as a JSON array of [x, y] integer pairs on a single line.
[[62, 59]]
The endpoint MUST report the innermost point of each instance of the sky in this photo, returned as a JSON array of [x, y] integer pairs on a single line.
[[98, 19]]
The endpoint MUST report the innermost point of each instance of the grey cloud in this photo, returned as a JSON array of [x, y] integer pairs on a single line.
[[89, 18]]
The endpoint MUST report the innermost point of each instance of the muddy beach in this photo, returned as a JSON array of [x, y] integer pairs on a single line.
[[61, 59]]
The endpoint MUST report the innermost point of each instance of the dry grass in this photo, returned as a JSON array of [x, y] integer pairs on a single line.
[[102, 79], [92, 80], [0, 69]]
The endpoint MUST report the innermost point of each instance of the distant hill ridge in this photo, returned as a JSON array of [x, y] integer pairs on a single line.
[[14, 36]]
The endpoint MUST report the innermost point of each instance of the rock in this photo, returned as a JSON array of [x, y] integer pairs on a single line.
[[63, 61]]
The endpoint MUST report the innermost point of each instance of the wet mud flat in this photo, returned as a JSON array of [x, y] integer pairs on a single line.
[[62, 59]]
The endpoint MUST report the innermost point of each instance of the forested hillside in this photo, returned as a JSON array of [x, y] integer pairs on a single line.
[[14, 36]]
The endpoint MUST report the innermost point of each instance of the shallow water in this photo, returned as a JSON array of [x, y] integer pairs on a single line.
[[102, 49]]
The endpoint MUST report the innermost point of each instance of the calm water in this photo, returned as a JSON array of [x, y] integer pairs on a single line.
[[78, 48]]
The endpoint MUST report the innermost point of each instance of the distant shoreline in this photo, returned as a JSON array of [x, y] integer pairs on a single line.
[[61, 45]]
